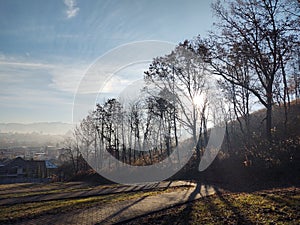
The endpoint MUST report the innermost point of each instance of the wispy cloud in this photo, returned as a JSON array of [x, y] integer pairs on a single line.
[[61, 77], [5, 63], [72, 9], [27, 91]]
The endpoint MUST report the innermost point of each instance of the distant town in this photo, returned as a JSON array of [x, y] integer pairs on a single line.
[[37, 141], [31, 156], [53, 153]]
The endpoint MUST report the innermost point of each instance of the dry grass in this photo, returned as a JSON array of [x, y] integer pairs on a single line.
[[21, 211], [281, 206]]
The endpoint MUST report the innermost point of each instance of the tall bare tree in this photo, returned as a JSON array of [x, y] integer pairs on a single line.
[[263, 32], [183, 76]]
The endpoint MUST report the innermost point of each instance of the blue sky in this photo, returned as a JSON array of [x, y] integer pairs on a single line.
[[47, 46]]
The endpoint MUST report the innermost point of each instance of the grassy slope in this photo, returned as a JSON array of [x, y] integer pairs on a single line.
[[271, 167], [279, 206], [25, 211]]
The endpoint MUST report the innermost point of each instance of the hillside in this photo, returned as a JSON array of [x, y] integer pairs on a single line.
[[252, 163]]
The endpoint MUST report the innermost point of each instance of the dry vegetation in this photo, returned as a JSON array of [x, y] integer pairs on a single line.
[[26, 210], [279, 206]]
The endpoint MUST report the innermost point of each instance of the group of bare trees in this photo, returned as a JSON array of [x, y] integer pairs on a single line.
[[184, 74], [132, 133], [255, 50], [174, 108], [254, 54]]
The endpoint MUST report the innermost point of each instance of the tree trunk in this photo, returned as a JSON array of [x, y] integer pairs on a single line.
[[269, 120]]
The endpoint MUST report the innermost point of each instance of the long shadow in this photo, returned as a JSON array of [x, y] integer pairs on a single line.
[[183, 216], [188, 210], [18, 187], [241, 218], [169, 184], [81, 194], [286, 201], [120, 211], [214, 210], [189, 207], [185, 213], [195, 192], [212, 207]]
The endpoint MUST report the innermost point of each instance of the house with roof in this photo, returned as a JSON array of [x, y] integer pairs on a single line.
[[21, 170]]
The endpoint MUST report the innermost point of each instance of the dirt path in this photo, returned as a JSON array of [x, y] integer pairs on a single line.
[[125, 210]]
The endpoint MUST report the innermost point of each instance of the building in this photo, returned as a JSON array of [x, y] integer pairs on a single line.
[[21, 170]]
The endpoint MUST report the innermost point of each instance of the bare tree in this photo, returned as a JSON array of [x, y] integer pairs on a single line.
[[294, 79], [263, 32], [183, 76]]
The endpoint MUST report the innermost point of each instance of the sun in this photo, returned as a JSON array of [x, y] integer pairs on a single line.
[[199, 100]]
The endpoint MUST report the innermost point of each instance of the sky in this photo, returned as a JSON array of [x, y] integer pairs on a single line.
[[47, 47]]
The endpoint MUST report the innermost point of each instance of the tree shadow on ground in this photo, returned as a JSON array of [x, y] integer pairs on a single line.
[[240, 218], [105, 220], [214, 209], [190, 205]]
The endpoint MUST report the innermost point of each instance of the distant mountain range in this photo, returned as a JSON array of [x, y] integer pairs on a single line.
[[58, 128]]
